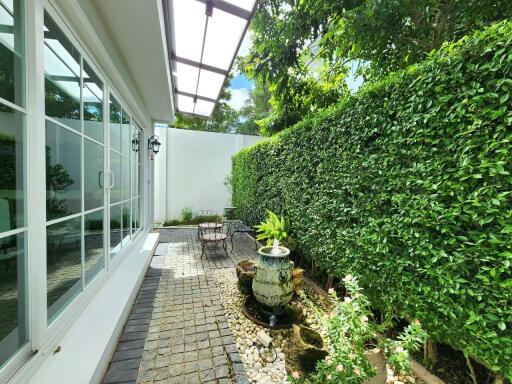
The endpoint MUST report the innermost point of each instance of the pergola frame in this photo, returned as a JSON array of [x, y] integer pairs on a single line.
[[210, 5]]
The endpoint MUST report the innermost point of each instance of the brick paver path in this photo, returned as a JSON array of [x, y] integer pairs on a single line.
[[177, 331]]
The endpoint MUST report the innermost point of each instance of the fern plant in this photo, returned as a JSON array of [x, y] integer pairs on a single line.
[[274, 227]]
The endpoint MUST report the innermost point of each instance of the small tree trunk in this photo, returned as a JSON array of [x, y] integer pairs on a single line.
[[498, 380], [330, 279], [430, 352], [471, 370]]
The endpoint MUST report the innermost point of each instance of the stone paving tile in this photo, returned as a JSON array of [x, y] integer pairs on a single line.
[[177, 331]]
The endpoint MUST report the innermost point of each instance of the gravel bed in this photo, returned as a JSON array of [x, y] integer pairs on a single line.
[[264, 365]]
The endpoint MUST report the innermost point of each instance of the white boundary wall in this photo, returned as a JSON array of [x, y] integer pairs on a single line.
[[191, 168]]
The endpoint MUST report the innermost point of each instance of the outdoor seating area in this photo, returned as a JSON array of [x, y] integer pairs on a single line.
[[217, 232], [178, 331]]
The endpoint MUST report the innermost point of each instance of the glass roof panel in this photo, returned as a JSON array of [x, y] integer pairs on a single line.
[[204, 108], [189, 24], [210, 84], [222, 38], [204, 41], [185, 104], [187, 78], [245, 4]]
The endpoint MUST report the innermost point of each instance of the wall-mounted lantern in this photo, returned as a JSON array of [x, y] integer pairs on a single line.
[[135, 142], [154, 145]]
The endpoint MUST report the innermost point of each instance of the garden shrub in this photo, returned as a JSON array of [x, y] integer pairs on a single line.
[[407, 185]]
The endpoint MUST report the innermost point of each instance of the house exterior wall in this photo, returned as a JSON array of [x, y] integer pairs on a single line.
[[191, 170], [75, 345]]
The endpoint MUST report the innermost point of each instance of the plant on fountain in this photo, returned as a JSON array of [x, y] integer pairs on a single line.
[[275, 228], [348, 330]]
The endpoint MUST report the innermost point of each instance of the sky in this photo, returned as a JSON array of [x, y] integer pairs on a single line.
[[240, 85]]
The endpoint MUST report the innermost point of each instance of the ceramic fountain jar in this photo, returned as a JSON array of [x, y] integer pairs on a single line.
[[273, 285]]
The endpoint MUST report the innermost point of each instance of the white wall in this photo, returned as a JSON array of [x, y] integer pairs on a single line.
[[190, 170]]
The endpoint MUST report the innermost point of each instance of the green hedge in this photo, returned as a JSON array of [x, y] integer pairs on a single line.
[[407, 185]]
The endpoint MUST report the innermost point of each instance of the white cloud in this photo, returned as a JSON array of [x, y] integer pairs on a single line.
[[246, 44], [238, 98]]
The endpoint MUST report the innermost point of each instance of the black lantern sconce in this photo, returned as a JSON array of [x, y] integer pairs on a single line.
[[135, 143], [154, 145]]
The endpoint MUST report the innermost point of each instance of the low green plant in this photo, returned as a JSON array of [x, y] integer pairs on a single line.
[[274, 228], [186, 214], [348, 329], [193, 220], [206, 219], [172, 222], [397, 351]]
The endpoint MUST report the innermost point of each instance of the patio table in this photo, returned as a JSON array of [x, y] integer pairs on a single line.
[[208, 226], [212, 225]]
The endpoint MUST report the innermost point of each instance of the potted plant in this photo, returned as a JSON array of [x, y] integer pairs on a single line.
[[310, 347], [245, 272], [275, 227], [357, 351], [298, 277]]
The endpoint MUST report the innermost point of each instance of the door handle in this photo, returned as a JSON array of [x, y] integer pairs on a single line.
[[112, 180], [100, 179]]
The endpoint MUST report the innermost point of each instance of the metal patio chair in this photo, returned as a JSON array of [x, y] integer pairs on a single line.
[[207, 236]]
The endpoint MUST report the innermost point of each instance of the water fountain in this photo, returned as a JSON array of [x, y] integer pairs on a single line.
[[273, 289]]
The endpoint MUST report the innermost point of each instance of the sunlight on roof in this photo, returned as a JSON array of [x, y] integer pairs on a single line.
[[206, 37]]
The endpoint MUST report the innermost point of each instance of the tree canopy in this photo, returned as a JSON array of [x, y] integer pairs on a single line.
[[302, 50], [226, 119]]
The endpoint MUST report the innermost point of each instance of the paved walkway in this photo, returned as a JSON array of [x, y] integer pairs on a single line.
[[177, 331]]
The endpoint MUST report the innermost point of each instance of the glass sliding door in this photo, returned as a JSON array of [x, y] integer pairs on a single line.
[[13, 224], [94, 171], [75, 168], [91, 153], [123, 154]]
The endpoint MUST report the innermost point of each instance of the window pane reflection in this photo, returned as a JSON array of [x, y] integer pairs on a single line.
[[11, 52], [62, 76], [135, 179], [13, 295], [125, 178], [94, 256], [115, 124], [63, 264], [136, 144], [126, 140], [115, 229], [115, 168], [12, 162], [126, 221], [93, 104], [93, 175], [63, 172], [135, 215]]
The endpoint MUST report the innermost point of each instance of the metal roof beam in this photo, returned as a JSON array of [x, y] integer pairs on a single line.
[[199, 65], [230, 8], [199, 97]]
